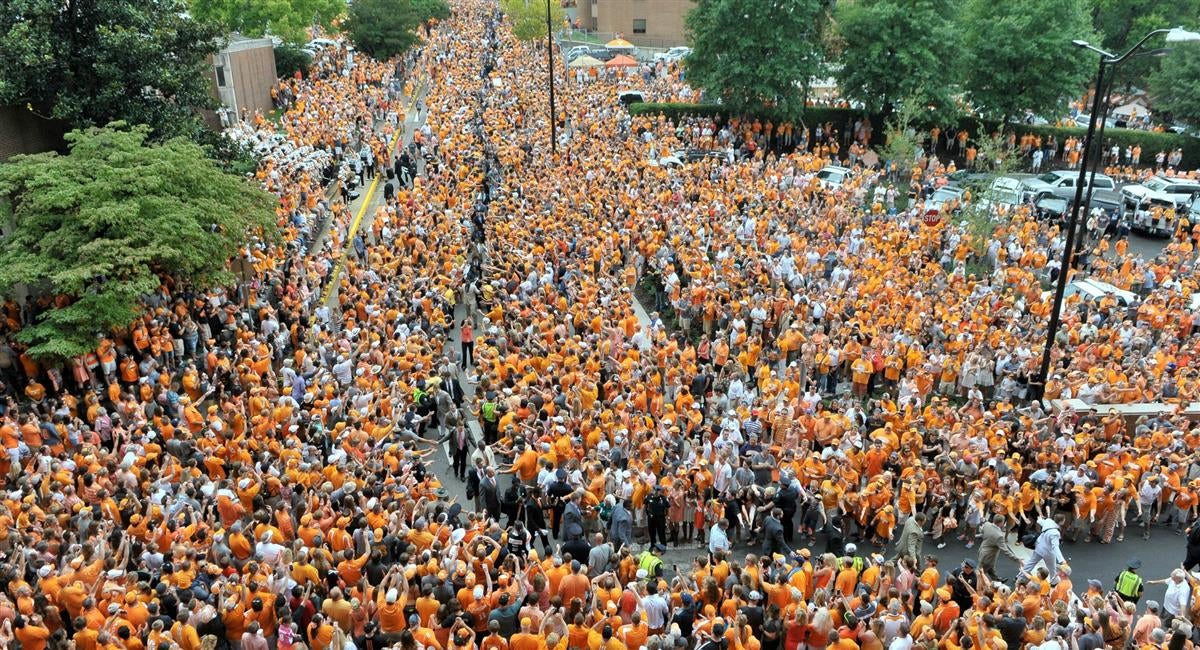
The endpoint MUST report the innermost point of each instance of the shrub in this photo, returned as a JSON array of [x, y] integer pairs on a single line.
[[843, 118], [290, 59]]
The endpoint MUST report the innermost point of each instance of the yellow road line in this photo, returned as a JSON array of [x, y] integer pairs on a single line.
[[348, 243]]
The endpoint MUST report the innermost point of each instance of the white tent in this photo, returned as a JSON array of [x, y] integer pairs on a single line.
[[585, 61], [1131, 109]]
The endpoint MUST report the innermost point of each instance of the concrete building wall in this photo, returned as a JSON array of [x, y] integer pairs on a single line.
[[243, 74]]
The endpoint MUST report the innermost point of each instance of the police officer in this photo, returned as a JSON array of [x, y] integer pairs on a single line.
[[651, 561], [489, 413], [1129, 584], [656, 516]]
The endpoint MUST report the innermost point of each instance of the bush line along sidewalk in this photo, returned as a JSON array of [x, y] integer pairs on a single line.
[[1150, 141]]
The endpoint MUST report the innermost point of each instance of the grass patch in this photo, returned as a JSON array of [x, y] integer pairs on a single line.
[[581, 37]]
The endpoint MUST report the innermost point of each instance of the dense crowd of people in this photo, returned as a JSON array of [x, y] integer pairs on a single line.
[[823, 376]]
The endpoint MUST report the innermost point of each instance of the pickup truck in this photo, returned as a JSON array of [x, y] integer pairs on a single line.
[[1153, 204], [1061, 183]]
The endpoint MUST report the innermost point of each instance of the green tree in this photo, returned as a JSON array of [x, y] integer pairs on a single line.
[[90, 62], [1018, 56], [103, 224], [290, 59], [1121, 23], [996, 158], [1175, 88], [753, 54], [287, 19], [900, 135], [386, 28], [529, 17], [893, 49]]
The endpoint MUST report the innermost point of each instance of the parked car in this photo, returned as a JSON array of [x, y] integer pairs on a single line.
[[627, 97], [969, 178], [1095, 290], [945, 199], [673, 54], [1152, 203], [1082, 120], [320, 44], [575, 52], [1051, 208], [1002, 195], [832, 177], [681, 157], [1061, 183], [693, 155]]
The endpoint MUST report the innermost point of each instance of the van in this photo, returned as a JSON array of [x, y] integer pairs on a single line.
[[1002, 196]]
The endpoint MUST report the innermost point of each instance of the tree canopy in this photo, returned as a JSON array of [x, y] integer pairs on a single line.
[[102, 225], [895, 49], [386, 28], [1018, 56], [766, 66], [287, 19], [90, 62], [1175, 88], [1121, 23], [529, 17]]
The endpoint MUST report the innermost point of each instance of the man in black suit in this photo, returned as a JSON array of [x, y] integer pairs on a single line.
[[788, 499], [773, 540], [461, 443], [450, 383], [572, 519], [489, 493]]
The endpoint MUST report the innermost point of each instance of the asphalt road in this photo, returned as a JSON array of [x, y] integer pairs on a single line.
[[1160, 554]]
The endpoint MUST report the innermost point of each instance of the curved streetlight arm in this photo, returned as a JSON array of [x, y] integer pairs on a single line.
[[1120, 59]]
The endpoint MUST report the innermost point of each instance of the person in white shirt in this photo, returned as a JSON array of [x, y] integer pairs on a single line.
[[1148, 502], [903, 641], [1175, 601], [718, 541]]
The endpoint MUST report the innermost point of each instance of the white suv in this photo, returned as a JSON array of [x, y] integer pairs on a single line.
[[673, 54], [832, 177]]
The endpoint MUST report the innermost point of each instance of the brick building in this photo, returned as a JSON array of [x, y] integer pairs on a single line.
[[646, 23], [21, 131]]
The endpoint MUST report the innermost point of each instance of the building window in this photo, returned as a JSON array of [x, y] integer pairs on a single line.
[[639, 25], [221, 76]]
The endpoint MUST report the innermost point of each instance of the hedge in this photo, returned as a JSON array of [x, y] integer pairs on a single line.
[[843, 118]]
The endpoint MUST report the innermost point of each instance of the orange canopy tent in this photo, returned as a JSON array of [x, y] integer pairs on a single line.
[[621, 61]]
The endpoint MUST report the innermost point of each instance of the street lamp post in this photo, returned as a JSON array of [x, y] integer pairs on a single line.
[[1107, 60], [550, 61]]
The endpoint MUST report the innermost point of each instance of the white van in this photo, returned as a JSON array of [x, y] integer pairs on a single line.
[[1002, 196]]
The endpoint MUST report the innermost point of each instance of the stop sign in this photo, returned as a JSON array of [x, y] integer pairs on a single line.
[[932, 217]]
